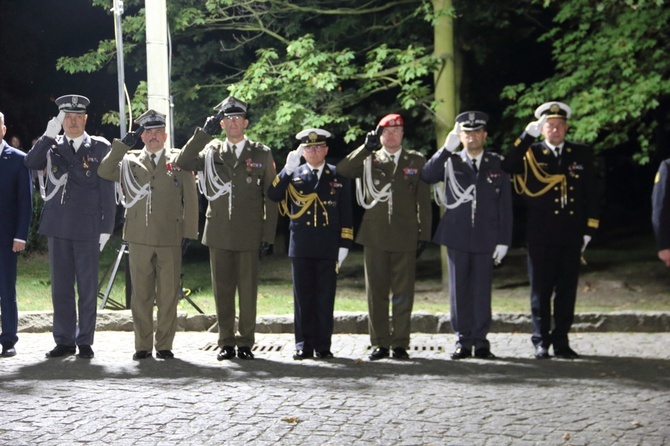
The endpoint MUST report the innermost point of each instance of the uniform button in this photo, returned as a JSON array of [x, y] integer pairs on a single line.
[[572, 212], [556, 188], [555, 200], [576, 176], [309, 223], [572, 200], [572, 188], [309, 212], [556, 212]]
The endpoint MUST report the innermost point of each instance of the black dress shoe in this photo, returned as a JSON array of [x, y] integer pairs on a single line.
[[244, 353], [565, 353], [461, 353], [61, 350], [303, 354], [400, 353], [324, 354], [541, 352], [484, 353], [226, 353], [164, 354], [379, 353], [141, 354], [85, 352], [8, 351]]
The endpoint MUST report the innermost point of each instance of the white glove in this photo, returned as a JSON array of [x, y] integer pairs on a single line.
[[293, 160], [499, 254], [535, 128], [103, 240], [54, 126], [587, 239], [344, 252], [452, 142]]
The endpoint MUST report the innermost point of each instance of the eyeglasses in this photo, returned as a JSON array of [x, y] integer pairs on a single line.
[[233, 117], [313, 148]]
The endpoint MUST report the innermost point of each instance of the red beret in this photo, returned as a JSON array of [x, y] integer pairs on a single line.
[[392, 120]]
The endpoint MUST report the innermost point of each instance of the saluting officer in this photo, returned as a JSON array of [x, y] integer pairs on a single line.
[[395, 229], [476, 227], [234, 175], [161, 211], [77, 218], [318, 202], [557, 181]]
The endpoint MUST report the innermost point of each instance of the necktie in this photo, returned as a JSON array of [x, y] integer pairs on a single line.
[[234, 149], [315, 172], [473, 161], [153, 159], [558, 155], [74, 152]]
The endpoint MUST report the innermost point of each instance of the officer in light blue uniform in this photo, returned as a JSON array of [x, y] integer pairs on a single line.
[[78, 218], [318, 201], [476, 227]]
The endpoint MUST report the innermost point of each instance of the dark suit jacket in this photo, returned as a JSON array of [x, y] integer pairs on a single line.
[[15, 196], [549, 223], [493, 211], [85, 209], [320, 231]]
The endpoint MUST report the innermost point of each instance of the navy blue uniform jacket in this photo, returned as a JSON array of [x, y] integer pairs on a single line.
[[86, 208], [321, 230], [15, 196], [493, 210]]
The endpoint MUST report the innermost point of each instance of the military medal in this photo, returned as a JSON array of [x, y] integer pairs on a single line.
[[249, 180]]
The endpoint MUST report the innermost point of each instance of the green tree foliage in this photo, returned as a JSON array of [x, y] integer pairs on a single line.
[[612, 68]]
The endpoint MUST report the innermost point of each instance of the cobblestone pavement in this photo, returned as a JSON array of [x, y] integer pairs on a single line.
[[618, 393]]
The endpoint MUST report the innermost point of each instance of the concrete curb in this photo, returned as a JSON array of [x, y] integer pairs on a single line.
[[357, 323]]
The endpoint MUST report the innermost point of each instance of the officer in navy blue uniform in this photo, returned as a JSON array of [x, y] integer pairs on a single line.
[[15, 214], [476, 227], [557, 182], [660, 217], [318, 202], [78, 218]]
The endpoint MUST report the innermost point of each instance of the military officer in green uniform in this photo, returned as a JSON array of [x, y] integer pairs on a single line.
[[395, 229], [161, 210], [234, 175]]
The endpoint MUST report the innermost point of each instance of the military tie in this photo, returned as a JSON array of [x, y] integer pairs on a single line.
[[74, 151], [473, 162], [153, 160], [394, 158], [315, 172], [233, 148], [558, 155]]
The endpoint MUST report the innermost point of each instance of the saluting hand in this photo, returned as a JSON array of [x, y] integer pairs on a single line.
[[372, 141], [55, 125], [293, 160], [452, 142], [132, 138], [535, 128], [213, 124]]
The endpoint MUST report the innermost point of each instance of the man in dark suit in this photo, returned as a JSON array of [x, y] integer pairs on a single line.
[[395, 229], [318, 201], [476, 227], [234, 174], [660, 217], [15, 214], [557, 181], [161, 211], [77, 218]]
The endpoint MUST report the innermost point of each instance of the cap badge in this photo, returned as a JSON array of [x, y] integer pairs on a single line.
[[554, 108], [75, 101], [312, 136], [471, 116]]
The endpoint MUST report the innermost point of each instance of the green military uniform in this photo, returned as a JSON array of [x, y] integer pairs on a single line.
[[160, 217], [389, 233], [238, 220]]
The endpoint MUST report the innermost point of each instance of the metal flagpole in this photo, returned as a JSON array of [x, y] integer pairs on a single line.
[[118, 12]]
